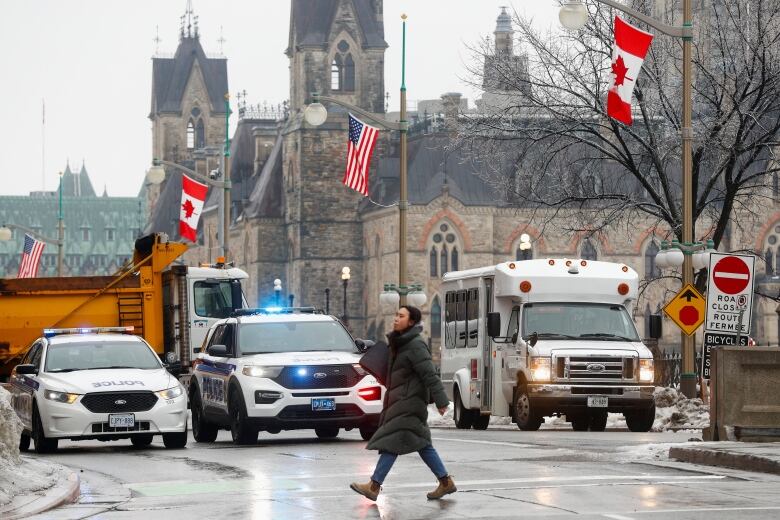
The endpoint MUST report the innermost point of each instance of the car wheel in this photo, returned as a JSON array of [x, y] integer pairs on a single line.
[[598, 420], [175, 440], [526, 418], [481, 422], [24, 442], [42, 443], [141, 441], [367, 433], [580, 423], [202, 430], [641, 421], [327, 432], [463, 417], [240, 429]]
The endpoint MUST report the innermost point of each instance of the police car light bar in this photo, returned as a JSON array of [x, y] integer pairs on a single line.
[[275, 310], [87, 330]]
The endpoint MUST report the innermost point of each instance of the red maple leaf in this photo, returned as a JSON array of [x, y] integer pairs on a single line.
[[188, 208], [619, 69]]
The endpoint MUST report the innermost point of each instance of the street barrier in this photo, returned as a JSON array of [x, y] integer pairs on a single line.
[[744, 397]]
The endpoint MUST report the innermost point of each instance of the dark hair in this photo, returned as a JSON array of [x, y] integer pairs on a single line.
[[414, 313]]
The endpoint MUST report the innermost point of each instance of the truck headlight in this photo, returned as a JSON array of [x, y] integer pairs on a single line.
[[646, 372], [258, 371], [60, 397], [540, 368], [170, 393]]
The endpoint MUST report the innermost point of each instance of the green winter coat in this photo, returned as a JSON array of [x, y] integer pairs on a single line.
[[411, 380]]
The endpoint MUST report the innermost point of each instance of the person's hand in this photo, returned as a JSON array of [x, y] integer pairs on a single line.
[[442, 410]]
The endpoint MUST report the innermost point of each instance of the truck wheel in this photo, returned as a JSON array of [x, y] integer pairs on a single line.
[[641, 421], [580, 423], [327, 432], [240, 429], [202, 430], [24, 442], [141, 441], [367, 433], [176, 440], [523, 415], [598, 421], [481, 421], [42, 443], [463, 417]]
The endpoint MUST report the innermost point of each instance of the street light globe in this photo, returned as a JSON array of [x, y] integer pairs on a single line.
[[661, 259], [525, 237], [573, 15], [390, 298], [416, 298], [5, 234], [524, 246], [675, 257], [277, 285], [155, 175], [700, 260], [315, 114]]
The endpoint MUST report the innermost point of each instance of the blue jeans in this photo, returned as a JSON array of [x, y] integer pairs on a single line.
[[427, 454]]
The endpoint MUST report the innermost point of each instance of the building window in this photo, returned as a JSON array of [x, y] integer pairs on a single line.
[[200, 135], [651, 270], [335, 73], [85, 234], [190, 136], [523, 254], [588, 252], [454, 259], [443, 258], [775, 185], [436, 318], [770, 264], [349, 73], [434, 263], [110, 235]]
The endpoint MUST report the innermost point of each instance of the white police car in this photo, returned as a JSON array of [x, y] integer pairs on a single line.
[[96, 384], [286, 369]]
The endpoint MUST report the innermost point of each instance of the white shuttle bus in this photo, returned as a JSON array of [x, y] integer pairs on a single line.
[[535, 338]]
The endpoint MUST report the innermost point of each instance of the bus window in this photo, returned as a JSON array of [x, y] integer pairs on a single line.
[[472, 315], [460, 319]]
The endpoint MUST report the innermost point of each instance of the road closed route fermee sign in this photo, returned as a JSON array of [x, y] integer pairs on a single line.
[[729, 291]]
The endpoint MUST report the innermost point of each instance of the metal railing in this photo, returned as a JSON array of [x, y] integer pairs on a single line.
[[669, 367]]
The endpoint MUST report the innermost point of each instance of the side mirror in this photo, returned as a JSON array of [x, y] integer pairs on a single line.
[[655, 326], [533, 338], [26, 369], [494, 324], [174, 368], [236, 295], [217, 351], [364, 344]]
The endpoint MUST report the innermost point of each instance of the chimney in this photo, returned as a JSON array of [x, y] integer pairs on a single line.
[[451, 106]]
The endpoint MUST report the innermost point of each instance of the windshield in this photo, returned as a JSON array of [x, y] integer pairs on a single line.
[[68, 357], [293, 336], [578, 320]]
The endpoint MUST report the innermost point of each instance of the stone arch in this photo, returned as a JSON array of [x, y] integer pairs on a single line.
[[338, 57], [444, 242]]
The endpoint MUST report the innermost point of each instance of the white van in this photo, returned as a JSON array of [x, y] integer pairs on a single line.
[[533, 338]]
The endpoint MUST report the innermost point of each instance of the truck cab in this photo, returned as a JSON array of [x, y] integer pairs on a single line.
[[534, 338]]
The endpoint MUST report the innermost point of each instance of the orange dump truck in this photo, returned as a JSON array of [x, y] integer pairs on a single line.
[[171, 306]]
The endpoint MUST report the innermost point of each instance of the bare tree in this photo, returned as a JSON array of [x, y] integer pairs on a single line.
[[549, 143]]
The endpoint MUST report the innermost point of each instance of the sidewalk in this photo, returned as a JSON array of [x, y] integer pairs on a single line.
[[761, 457], [66, 490]]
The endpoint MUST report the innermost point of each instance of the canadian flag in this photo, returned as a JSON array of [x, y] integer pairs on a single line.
[[193, 195], [631, 46]]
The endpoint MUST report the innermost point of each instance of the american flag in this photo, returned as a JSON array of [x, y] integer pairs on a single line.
[[362, 139], [30, 257]]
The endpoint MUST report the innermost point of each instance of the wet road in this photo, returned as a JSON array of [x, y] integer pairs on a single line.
[[501, 473]]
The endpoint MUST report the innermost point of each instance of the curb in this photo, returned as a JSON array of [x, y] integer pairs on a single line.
[[728, 459], [56, 496]]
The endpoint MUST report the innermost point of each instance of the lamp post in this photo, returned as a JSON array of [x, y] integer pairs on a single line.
[[6, 234], [345, 281], [327, 300], [277, 290], [574, 15], [156, 175], [316, 114]]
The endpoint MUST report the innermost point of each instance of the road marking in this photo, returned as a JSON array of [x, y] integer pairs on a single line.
[[618, 517], [492, 443]]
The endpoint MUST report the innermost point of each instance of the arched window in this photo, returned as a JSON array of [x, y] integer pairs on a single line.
[[588, 252], [454, 259], [335, 73], [200, 135], [770, 264], [435, 318], [775, 185], [190, 135], [434, 263], [349, 73], [443, 258], [651, 270]]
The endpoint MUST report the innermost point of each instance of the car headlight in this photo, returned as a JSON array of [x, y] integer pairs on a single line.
[[540, 368], [646, 372], [258, 371], [170, 393], [60, 397]]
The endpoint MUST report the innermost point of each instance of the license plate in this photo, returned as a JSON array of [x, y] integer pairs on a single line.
[[126, 420], [323, 405], [597, 401]]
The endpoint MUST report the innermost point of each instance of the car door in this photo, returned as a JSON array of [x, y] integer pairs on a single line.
[[215, 369], [25, 385]]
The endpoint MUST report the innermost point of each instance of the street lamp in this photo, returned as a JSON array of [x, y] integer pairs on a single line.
[[156, 175], [327, 300], [6, 234], [315, 114], [391, 295], [277, 290], [345, 281], [573, 16]]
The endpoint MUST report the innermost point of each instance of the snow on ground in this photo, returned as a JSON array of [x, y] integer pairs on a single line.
[[18, 475]]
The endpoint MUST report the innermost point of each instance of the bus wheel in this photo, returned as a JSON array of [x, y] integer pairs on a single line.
[[463, 417], [481, 422], [524, 416]]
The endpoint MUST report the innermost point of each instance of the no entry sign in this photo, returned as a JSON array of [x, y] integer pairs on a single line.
[[729, 293]]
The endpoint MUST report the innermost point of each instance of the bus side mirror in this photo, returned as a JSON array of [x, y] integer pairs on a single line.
[[494, 324], [655, 326]]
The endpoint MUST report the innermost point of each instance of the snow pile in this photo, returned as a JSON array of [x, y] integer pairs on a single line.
[[616, 421], [434, 419], [658, 451], [674, 410], [10, 431]]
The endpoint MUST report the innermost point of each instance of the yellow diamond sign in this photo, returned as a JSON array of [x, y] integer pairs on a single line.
[[686, 309]]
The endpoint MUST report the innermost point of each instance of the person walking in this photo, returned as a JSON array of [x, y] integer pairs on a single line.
[[403, 425]]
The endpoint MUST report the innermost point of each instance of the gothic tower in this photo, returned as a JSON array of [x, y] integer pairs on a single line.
[[336, 47]]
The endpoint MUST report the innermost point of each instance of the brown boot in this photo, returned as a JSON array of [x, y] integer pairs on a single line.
[[369, 490], [446, 486]]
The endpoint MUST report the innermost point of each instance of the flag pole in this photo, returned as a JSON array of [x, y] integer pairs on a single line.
[[402, 202]]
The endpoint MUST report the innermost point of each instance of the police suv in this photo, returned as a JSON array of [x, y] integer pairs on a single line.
[[281, 369], [96, 384]]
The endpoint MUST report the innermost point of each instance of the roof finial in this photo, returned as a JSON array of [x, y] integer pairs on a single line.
[[157, 39], [187, 21], [221, 40]]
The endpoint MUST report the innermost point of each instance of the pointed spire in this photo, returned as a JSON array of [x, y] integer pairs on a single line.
[[67, 167], [105, 190]]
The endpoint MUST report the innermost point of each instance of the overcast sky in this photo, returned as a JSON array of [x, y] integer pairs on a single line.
[[90, 60]]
